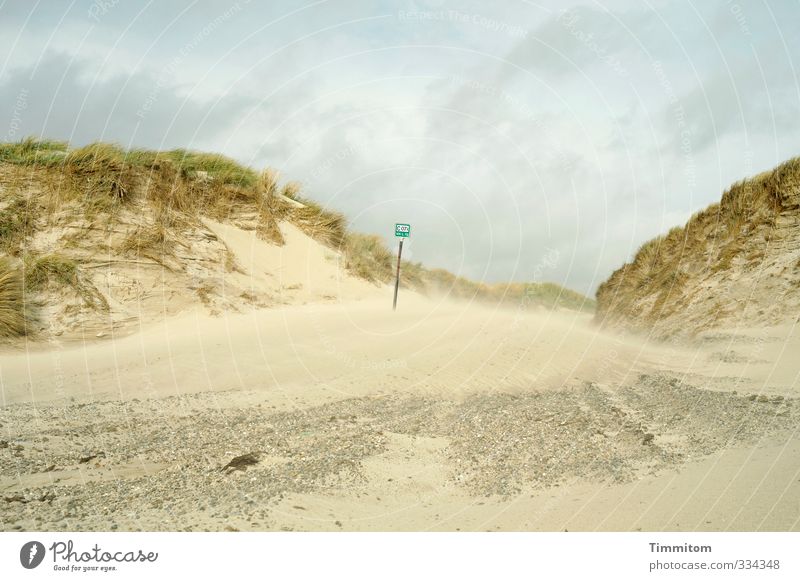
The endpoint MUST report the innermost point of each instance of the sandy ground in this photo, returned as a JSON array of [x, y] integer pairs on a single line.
[[444, 415]]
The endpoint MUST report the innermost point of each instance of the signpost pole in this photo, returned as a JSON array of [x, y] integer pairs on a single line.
[[397, 278]]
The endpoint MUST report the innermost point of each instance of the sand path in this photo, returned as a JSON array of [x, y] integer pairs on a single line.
[[443, 415]]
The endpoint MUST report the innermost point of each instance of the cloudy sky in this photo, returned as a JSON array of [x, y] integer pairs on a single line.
[[522, 140]]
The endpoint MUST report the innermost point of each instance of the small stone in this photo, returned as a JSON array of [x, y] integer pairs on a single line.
[[89, 456], [242, 462]]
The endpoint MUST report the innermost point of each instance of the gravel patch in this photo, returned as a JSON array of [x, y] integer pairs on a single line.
[[158, 464]]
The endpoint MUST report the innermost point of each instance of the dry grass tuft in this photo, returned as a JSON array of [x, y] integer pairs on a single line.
[[15, 315], [292, 190], [326, 226], [17, 219], [412, 274], [42, 270], [285, 203], [197, 165], [269, 230], [445, 282], [100, 172], [270, 207], [367, 257], [57, 272], [31, 151], [268, 183], [158, 240], [213, 166]]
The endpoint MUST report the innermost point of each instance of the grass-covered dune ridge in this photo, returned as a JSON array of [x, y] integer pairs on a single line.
[[735, 263], [104, 234], [368, 257]]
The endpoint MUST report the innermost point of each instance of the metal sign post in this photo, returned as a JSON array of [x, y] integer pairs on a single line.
[[401, 231]]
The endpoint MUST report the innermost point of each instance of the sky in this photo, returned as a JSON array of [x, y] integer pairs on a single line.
[[523, 141]]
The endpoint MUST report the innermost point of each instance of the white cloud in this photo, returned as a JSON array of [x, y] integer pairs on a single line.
[[501, 131]]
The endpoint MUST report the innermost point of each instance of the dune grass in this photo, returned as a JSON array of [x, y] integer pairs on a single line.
[[17, 219], [650, 287], [551, 295], [158, 240], [102, 174], [15, 316], [412, 274], [197, 165], [42, 270], [367, 257], [326, 226], [55, 271], [32, 152], [103, 177], [110, 163], [269, 207], [171, 190], [291, 190]]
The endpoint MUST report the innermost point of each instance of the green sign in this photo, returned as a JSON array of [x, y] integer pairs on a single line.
[[402, 230]]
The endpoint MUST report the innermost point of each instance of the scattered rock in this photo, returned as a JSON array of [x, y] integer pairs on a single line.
[[89, 456], [242, 462]]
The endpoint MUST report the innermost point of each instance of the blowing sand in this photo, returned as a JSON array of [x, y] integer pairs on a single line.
[[340, 414]]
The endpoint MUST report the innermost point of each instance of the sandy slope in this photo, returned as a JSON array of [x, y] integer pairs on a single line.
[[443, 415], [733, 264], [348, 349]]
